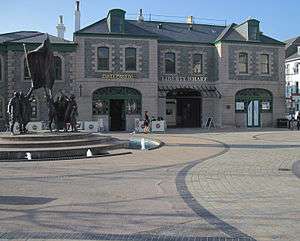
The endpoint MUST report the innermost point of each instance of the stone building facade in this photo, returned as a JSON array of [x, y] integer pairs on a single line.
[[185, 73]]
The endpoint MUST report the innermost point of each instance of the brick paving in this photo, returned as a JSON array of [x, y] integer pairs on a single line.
[[199, 186]]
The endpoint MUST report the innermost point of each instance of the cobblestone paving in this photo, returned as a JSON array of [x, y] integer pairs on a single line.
[[251, 187], [199, 186]]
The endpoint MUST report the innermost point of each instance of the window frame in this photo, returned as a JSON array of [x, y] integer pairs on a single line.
[[201, 63], [98, 58], [246, 63], [128, 57], [173, 64], [263, 65]]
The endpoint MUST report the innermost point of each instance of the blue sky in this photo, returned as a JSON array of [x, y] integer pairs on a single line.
[[279, 19]]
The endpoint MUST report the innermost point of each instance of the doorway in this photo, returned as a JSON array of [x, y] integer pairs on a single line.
[[253, 114], [189, 112], [117, 115]]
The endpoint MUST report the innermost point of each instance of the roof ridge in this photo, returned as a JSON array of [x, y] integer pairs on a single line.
[[155, 21]]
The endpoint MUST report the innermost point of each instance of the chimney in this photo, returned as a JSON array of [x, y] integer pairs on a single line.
[[141, 17], [77, 16], [190, 20], [61, 29]]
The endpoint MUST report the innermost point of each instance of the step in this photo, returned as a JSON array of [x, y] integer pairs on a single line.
[[54, 143], [8, 154]]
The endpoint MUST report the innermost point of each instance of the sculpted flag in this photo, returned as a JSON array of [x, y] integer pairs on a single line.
[[41, 65]]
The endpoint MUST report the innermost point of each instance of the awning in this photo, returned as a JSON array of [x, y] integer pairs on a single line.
[[206, 90]]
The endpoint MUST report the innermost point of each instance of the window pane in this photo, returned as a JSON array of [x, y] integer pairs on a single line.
[[243, 63], [170, 63], [264, 63], [130, 59], [103, 58], [197, 63], [58, 68]]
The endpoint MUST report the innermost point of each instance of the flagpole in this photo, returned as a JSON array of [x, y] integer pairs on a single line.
[[27, 63]]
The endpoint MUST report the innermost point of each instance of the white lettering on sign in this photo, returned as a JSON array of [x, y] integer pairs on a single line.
[[184, 78]]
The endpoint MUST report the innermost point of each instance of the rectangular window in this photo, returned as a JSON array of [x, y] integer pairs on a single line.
[[265, 63], [243, 63], [197, 63], [297, 87], [170, 63], [103, 58], [130, 59]]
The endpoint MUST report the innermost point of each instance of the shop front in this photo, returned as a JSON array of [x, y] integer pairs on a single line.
[[253, 108], [116, 106]]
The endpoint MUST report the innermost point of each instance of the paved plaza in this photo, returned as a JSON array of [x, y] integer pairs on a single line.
[[223, 185]]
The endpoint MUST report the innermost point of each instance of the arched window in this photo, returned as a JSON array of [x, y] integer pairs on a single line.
[[103, 58], [245, 96], [58, 67], [243, 63], [130, 59], [101, 100], [170, 63]]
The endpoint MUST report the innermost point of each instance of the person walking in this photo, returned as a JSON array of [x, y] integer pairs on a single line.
[[146, 123], [298, 122]]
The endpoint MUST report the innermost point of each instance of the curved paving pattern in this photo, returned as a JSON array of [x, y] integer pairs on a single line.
[[193, 188], [246, 189]]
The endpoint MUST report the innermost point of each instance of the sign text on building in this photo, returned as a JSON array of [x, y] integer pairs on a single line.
[[118, 76], [183, 78]]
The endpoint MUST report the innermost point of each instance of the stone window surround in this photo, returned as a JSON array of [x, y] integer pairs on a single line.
[[95, 57], [236, 62], [2, 68], [169, 50], [204, 61], [139, 58], [271, 62], [56, 54]]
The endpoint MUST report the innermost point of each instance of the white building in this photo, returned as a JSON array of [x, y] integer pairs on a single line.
[[292, 71]]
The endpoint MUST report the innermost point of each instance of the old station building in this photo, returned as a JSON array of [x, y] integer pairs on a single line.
[[184, 73]]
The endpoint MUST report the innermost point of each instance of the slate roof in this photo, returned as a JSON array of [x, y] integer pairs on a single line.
[[176, 32], [30, 37], [294, 56]]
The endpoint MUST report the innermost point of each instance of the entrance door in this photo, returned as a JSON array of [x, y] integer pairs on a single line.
[[253, 114], [189, 112], [117, 115]]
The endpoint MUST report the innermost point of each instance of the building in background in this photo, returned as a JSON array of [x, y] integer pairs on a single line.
[[182, 72], [292, 72]]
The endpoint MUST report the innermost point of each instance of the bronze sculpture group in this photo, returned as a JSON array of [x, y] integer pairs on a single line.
[[62, 111]]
